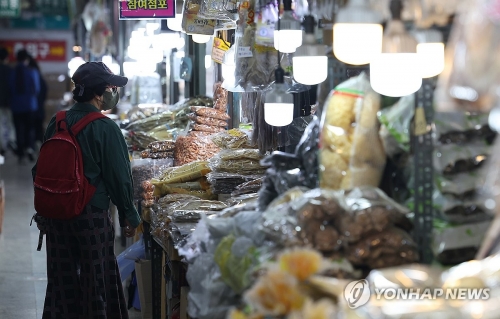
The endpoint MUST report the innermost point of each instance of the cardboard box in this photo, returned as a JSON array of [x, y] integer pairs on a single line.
[[2, 203], [145, 285]]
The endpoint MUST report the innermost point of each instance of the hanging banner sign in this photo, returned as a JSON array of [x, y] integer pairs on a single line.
[[146, 9], [10, 8], [41, 50]]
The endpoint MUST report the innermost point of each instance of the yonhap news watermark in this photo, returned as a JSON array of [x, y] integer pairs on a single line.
[[357, 293]]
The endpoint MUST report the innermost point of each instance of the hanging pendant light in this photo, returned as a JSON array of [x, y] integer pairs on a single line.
[[289, 36], [310, 64], [357, 33], [278, 107], [430, 50], [396, 71]]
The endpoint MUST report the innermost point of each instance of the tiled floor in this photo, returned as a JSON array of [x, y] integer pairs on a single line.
[[22, 268]]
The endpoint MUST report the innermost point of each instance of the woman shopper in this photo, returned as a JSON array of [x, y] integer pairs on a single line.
[[24, 86], [82, 272]]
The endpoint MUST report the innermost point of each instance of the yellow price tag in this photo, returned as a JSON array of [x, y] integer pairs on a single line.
[[219, 50], [420, 122]]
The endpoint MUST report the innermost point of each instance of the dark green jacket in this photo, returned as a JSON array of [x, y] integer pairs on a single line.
[[104, 153]]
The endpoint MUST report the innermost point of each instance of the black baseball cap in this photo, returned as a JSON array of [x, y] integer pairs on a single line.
[[94, 73]]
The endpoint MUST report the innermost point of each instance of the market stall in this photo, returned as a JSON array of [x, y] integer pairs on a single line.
[[386, 182]]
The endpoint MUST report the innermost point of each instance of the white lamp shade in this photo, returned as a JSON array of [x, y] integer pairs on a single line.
[[310, 70], [431, 57], [357, 43], [175, 24], [200, 38], [278, 114], [395, 74], [287, 41]]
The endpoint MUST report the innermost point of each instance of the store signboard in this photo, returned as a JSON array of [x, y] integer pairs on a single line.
[[41, 50], [146, 9], [10, 8]]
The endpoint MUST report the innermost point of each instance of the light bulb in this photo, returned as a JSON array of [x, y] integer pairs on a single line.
[[357, 43], [175, 24], [395, 74], [310, 64], [278, 114], [200, 38], [431, 56], [289, 36], [357, 33], [287, 41], [278, 107]]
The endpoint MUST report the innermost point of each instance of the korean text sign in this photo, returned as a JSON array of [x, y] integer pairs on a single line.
[[147, 9], [41, 50]]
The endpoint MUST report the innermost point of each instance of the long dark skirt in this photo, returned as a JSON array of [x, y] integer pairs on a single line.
[[82, 272]]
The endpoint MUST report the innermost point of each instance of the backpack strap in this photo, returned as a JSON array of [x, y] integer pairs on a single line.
[[80, 125], [60, 120]]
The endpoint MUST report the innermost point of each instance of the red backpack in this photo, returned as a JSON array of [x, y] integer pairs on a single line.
[[61, 188]]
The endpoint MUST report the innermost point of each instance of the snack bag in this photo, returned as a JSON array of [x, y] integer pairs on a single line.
[[351, 152]]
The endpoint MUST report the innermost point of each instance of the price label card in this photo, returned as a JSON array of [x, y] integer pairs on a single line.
[[420, 122], [245, 52], [219, 48]]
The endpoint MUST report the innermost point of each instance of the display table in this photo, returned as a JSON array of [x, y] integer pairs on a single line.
[[170, 286]]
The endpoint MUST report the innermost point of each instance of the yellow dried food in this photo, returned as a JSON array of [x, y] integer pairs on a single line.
[[322, 309], [347, 181], [336, 139], [333, 169], [300, 262], [340, 111], [275, 293]]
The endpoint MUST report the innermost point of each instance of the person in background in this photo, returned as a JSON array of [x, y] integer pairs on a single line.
[[83, 278], [6, 127], [39, 117], [25, 87]]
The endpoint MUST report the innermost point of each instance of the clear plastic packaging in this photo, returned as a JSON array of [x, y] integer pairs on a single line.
[[459, 209], [239, 154], [396, 125], [369, 234], [226, 183], [232, 139], [157, 155], [162, 146], [220, 97], [456, 244], [213, 113], [144, 170], [189, 149], [207, 128], [184, 173], [453, 159], [351, 152], [462, 127], [236, 166], [248, 187], [206, 120]]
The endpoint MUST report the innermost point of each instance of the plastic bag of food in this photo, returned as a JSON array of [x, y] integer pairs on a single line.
[[226, 183], [157, 155], [248, 187], [458, 184], [231, 139], [189, 149], [351, 153], [471, 75], [396, 125], [142, 170], [199, 134], [213, 113], [462, 127], [162, 146], [184, 173], [392, 247], [220, 97], [207, 128], [455, 244], [239, 154], [242, 166], [235, 258], [370, 210], [193, 24], [459, 209], [453, 159], [206, 120]]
